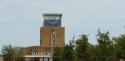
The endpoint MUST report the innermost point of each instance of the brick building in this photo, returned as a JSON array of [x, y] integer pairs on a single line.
[[52, 34]]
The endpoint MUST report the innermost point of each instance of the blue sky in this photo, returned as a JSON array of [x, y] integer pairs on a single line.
[[20, 20]]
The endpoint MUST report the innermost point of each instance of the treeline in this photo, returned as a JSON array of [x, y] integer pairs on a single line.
[[10, 53], [106, 49]]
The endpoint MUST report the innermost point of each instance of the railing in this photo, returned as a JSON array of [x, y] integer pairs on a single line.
[[40, 53]]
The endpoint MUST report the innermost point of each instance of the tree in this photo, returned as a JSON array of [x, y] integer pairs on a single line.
[[10, 53], [82, 46], [19, 53], [69, 52], [92, 53], [58, 54], [120, 46], [105, 46], [66, 53]]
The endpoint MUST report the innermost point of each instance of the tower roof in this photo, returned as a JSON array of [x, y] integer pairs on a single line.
[[52, 14]]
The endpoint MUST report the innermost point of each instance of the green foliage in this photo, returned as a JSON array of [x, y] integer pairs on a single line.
[[69, 52], [93, 53], [58, 54], [120, 46], [0, 55], [10, 53], [66, 53], [106, 49], [82, 46], [105, 43]]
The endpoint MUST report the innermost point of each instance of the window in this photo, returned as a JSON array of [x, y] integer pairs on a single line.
[[51, 17], [33, 49]]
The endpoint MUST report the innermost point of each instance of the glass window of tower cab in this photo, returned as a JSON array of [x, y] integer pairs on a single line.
[[52, 34]]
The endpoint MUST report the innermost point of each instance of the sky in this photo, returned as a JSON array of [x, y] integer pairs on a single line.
[[20, 20]]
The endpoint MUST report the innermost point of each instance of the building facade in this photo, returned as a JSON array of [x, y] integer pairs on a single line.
[[52, 34]]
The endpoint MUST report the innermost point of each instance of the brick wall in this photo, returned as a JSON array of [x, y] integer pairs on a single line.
[[45, 36]]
